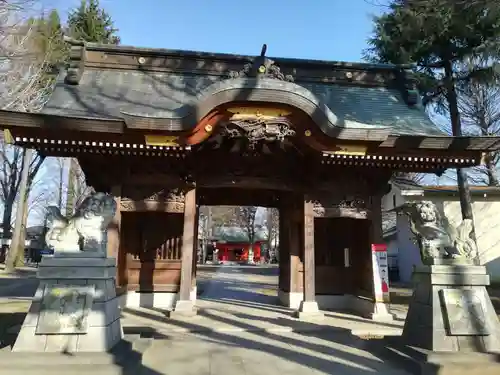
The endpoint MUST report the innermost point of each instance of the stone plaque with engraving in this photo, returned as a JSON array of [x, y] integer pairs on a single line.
[[465, 312], [64, 309]]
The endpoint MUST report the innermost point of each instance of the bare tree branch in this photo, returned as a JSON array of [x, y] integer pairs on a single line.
[[25, 84], [245, 218], [479, 106], [272, 223]]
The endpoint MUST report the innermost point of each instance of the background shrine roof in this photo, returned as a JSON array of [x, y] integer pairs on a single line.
[[113, 82]]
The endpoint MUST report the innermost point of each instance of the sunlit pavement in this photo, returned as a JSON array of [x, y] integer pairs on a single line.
[[241, 329]]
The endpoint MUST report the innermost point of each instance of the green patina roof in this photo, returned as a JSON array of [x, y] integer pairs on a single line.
[[237, 235], [110, 93], [104, 92]]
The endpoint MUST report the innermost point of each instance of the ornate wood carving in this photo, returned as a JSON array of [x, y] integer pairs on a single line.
[[258, 129], [330, 205], [144, 198], [76, 61], [262, 67]]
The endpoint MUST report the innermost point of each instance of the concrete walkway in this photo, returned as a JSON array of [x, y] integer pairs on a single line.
[[241, 329], [221, 353], [237, 299]]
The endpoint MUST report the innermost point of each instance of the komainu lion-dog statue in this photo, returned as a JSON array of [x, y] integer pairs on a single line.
[[436, 237], [85, 231]]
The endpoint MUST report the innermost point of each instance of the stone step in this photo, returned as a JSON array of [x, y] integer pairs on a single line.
[[126, 355], [70, 370]]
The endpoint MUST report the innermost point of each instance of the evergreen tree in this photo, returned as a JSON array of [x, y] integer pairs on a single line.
[[48, 41], [438, 36], [91, 23]]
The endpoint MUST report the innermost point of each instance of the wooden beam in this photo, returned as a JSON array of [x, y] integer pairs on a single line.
[[343, 212], [128, 205]]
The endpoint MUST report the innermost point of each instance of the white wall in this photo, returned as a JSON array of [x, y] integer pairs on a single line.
[[486, 213], [392, 246], [408, 255]]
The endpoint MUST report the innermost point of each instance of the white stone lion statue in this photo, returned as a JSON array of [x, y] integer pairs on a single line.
[[85, 231], [436, 237]]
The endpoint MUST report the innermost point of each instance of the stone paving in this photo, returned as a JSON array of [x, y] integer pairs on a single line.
[[240, 299], [240, 329], [270, 353]]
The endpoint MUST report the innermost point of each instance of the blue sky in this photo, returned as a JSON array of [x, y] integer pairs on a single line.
[[317, 29]]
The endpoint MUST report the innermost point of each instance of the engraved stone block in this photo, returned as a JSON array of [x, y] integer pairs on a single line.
[[64, 309], [465, 312]]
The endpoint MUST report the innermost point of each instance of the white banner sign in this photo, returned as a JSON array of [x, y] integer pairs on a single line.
[[380, 272]]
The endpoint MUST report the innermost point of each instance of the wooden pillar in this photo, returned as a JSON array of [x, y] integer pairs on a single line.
[[195, 246], [294, 240], [185, 306], [309, 306], [376, 216], [284, 254], [113, 241], [114, 235], [188, 238], [290, 294], [309, 264]]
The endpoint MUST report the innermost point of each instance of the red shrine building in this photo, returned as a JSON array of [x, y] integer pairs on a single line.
[[233, 245]]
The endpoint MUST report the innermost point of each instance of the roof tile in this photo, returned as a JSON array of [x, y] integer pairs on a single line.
[[107, 93]]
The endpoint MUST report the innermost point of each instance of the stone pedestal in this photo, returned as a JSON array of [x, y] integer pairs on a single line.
[[183, 309], [75, 308], [451, 311], [309, 310], [381, 313]]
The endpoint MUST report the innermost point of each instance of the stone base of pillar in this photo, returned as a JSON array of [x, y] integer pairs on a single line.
[[309, 310], [381, 313], [451, 311], [75, 308], [183, 309]]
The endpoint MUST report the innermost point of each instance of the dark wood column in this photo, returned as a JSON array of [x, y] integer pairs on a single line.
[[114, 228], [294, 237], [113, 239], [195, 246], [188, 238], [284, 253], [376, 220], [309, 306], [309, 265], [185, 306], [290, 246]]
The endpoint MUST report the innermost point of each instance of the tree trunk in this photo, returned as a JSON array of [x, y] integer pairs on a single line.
[[16, 246], [71, 193], [270, 235], [250, 253], [7, 217], [209, 233], [19, 262], [456, 127], [61, 184], [491, 171]]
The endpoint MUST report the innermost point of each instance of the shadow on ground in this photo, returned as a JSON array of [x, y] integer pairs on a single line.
[[314, 349], [9, 320]]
